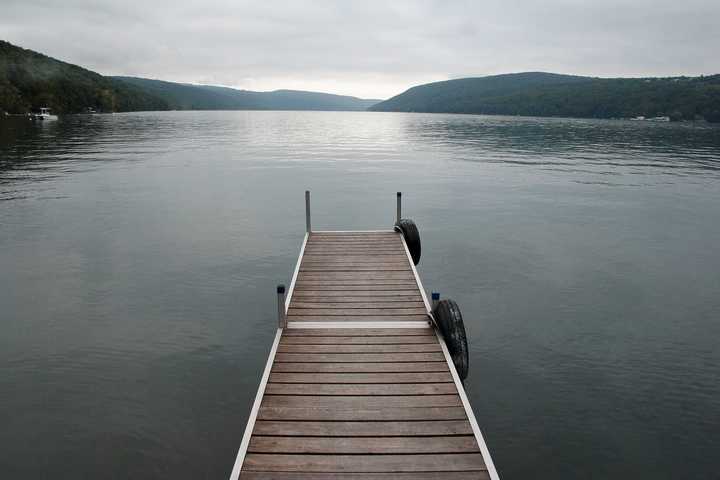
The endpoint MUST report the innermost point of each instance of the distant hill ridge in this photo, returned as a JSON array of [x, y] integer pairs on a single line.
[[30, 80], [550, 94], [182, 96]]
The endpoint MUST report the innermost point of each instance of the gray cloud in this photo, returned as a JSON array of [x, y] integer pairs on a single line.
[[369, 48]]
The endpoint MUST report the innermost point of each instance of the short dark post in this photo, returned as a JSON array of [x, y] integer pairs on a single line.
[[308, 228], [282, 319], [435, 299], [399, 207]]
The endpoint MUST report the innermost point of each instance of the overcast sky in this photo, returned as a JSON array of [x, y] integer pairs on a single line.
[[372, 49]]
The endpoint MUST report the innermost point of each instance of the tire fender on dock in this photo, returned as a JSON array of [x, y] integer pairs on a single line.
[[412, 237], [450, 322]]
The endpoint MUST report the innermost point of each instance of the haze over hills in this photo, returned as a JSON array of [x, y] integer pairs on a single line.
[[30, 80], [205, 97], [549, 94]]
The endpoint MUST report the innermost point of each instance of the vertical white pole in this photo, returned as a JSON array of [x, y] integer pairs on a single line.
[[308, 228]]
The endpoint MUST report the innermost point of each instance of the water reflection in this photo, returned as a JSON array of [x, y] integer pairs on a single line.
[[32, 151], [140, 252]]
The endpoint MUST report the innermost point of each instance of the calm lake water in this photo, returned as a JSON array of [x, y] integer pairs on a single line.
[[139, 255]]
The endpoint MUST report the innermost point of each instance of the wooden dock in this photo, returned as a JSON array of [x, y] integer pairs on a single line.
[[359, 383]]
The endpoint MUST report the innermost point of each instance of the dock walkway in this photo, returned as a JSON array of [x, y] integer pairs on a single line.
[[358, 383]]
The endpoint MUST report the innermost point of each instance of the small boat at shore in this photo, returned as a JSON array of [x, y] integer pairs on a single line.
[[42, 115]]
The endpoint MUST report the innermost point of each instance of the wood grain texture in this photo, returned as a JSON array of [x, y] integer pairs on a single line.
[[355, 297], [377, 367], [362, 445], [367, 288], [439, 475], [384, 348], [314, 304], [371, 340], [361, 402], [342, 284], [353, 260], [365, 463], [357, 332], [364, 429], [425, 377], [359, 357], [376, 275], [357, 318], [355, 312], [350, 251], [305, 268], [384, 413], [360, 389]]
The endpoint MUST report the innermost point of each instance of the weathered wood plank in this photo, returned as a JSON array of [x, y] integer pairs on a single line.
[[355, 233], [365, 463], [361, 242], [306, 308], [408, 367], [340, 254], [360, 402], [371, 340], [354, 268], [298, 303], [368, 301], [357, 332], [363, 445], [340, 263], [476, 475], [353, 260], [378, 275], [356, 244], [360, 389], [350, 250], [361, 348], [383, 284], [358, 295], [394, 253], [364, 429], [361, 286], [357, 312], [353, 238], [356, 318], [392, 378], [359, 357], [362, 414], [379, 302]]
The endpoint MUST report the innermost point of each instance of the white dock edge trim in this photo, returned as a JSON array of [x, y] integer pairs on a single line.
[[468, 410], [453, 371], [415, 274], [295, 273], [360, 324], [235, 474]]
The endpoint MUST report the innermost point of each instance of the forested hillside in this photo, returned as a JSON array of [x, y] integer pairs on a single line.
[[205, 97], [546, 94], [30, 80]]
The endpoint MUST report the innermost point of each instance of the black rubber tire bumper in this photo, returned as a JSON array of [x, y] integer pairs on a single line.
[[450, 322], [412, 237]]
